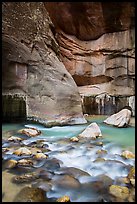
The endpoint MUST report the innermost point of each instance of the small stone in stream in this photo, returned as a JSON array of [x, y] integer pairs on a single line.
[[52, 164], [39, 144], [64, 199], [127, 154], [25, 178], [5, 149], [31, 132], [74, 139], [22, 151], [99, 143], [14, 139], [101, 151], [120, 192], [99, 160], [25, 162], [40, 156], [11, 163]]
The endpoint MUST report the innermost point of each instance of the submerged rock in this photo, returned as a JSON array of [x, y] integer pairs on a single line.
[[65, 182], [64, 199], [52, 164], [120, 119], [73, 171], [92, 131], [102, 183]]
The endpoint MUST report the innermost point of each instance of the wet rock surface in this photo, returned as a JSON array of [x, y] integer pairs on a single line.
[[34, 78]]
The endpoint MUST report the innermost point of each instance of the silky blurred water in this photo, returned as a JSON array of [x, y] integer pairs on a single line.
[[115, 140]]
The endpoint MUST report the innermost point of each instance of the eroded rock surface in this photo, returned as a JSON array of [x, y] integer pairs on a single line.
[[97, 46], [120, 119], [32, 70]]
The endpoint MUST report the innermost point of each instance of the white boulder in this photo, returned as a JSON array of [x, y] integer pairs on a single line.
[[120, 119], [92, 131]]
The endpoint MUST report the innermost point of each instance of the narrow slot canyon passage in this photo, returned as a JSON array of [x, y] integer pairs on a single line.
[[68, 102]]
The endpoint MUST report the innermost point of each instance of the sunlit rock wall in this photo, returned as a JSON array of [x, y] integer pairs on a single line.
[[97, 46]]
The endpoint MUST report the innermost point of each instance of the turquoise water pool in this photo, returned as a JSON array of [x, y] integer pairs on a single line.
[[124, 137]]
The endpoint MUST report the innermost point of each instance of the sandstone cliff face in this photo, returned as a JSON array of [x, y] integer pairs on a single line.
[[89, 20], [97, 46], [31, 67]]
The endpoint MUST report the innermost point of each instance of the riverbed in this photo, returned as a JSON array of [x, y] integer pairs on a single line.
[[83, 170]]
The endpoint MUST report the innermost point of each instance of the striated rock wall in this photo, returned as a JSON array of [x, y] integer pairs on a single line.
[[89, 20], [111, 58], [97, 46], [31, 67]]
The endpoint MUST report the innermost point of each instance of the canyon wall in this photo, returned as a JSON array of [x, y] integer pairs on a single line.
[[32, 71], [97, 47]]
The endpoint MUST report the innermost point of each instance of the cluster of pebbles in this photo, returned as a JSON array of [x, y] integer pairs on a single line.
[[73, 169]]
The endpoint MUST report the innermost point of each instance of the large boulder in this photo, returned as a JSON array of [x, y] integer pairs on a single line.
[[120, 119], [32, 70], [92, 131]]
